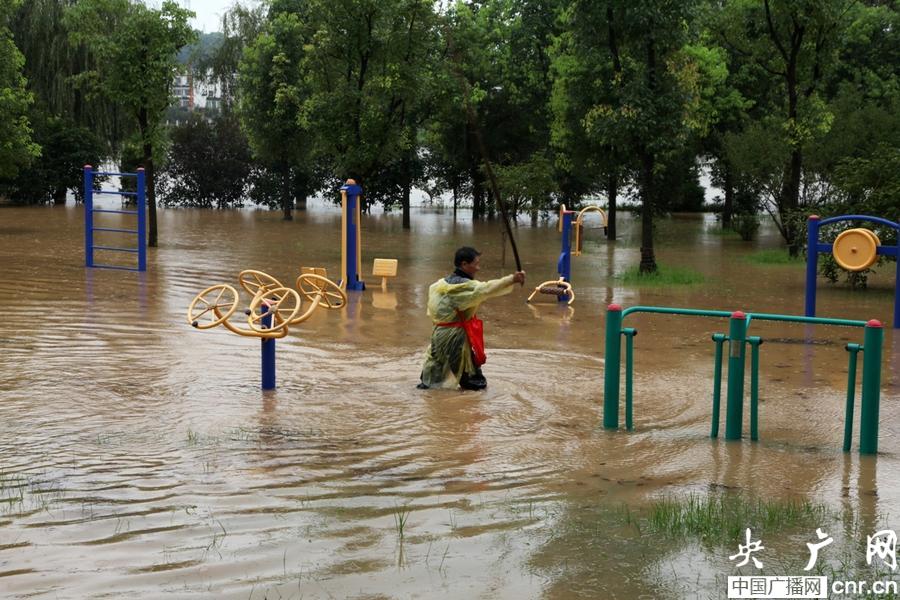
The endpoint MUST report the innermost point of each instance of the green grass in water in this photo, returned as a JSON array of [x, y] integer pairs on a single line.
[[664, 276], [774, 256], [726, 516]]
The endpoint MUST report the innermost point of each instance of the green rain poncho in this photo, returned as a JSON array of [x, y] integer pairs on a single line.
[[449, 355]]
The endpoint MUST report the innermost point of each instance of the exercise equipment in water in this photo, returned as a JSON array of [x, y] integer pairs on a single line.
[[571, 225]]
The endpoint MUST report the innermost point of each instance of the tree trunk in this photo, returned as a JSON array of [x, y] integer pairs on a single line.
[[407, 185], [287, 198], [612, 191], [149, 173], [59, 196], [648, 258], [728, 188]]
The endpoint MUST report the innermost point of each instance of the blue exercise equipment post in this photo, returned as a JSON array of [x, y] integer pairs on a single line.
[[140, 230], [814, 223]]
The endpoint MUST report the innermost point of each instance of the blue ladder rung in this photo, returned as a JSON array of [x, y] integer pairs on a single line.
[[108, 174], [118, 212], [115, 192], [134, 250], [115, 230], [116, 268]]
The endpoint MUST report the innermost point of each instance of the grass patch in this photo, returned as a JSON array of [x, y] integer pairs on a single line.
[[664, 276], [773, 256], [726, 516]]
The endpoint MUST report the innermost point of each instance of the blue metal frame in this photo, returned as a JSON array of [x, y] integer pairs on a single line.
[[813, 249], [89, 211]]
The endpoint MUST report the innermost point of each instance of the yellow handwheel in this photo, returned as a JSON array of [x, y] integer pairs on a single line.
[[254, 281], [283, 303], [321, 290], [856, 249], [216, 303]]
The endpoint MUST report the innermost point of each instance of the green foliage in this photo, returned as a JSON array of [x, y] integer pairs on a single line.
[[664, 276], [527, 186], [16, 146], [66, 148], [746, 225], [209, 164]]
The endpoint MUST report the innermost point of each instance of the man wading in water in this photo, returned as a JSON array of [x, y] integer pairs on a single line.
[[457, 342]]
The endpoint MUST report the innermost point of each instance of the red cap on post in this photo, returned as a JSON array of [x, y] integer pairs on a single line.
[[88, 167], [738, 315], [813, 218], [614, 307], [874, 323]]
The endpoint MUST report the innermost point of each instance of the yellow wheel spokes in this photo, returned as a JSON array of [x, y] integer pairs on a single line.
[[856, 249], [255, 281], [216, 303], [281, 302], [321, 291]]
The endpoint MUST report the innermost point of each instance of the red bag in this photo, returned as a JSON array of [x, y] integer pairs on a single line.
[[474, 329]]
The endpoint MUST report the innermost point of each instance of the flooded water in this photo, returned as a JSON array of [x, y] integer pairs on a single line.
[[139, 458]]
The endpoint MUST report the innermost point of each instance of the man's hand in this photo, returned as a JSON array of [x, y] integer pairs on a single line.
[[519, 277]]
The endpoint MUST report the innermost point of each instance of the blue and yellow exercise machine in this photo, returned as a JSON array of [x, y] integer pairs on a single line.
[[853, 249], [571, 224]]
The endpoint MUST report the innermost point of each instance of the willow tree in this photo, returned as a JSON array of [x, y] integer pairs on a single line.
[[16, 146], [136, 48]]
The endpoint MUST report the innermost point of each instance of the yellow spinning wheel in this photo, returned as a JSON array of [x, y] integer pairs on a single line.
[[212, 306], [283, 304], [321, 291], [254, 281], [856, 249]]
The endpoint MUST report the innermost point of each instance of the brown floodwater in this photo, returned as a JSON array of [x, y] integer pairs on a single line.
[[139, 458]]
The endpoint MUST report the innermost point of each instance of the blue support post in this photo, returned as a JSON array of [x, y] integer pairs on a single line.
[[142, 221], [351, 238], [812, 263], [268, 353], [88, 216], [564, 264]]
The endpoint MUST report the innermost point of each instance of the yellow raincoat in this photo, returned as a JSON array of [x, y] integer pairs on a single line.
[[449, 355]]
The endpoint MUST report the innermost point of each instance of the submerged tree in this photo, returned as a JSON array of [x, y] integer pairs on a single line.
[[137, 47]]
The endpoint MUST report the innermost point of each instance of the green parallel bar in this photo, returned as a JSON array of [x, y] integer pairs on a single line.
[[612, 367], [675, 311], [629, 333], [734, 407], [871, 388], [755, 342], [853, 350], [719, 339], [761, 316]]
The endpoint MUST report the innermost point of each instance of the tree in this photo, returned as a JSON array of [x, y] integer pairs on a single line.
[[795, 45], [273, 93], [209, 164], [136, 48], [653, 103], [16, 147]]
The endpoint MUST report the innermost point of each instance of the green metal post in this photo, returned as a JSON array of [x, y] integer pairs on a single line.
[[853, 349], [629, 333], [755, 343], [734, 409], [871, 388], [612, 367], [719, 339]]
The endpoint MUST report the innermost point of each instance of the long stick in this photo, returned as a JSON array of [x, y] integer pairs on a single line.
[[482, 149]]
